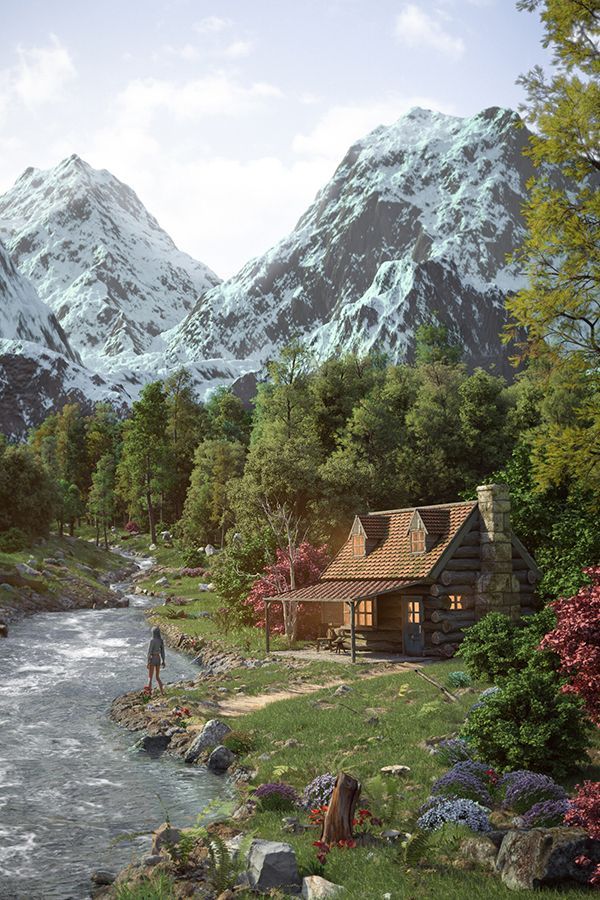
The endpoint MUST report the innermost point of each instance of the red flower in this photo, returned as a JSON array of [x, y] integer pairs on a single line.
[[583, 861]]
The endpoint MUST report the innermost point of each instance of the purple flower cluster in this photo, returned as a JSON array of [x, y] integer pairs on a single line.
[[192, 572], [460, 811], [453, 750], [468, 779], [544, 815], [277, 795], [523, 789], [319, 791]]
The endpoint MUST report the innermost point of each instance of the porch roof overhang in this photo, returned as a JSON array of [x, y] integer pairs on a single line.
[[336, 591]]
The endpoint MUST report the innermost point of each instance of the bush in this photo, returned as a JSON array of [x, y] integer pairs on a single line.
[[193, 557], [459, 680], [13, 540], [523, 789], [530, 723], [460, 811], [318, 792], [240, 742], [495, 647], [469, 780], [546, 814], [132, 527], [585, 808], [277, 796]]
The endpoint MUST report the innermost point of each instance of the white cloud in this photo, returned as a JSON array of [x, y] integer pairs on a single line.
[[212, 95], [238, 49], [42, 73], [212, 25], [416, 28], [341, 126]]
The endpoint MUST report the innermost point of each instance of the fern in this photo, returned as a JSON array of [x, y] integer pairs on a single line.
[[416, 847]]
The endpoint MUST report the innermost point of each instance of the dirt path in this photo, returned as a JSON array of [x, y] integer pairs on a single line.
[[244, 704]]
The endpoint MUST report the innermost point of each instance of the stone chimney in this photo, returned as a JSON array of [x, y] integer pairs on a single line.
[[497, 586]]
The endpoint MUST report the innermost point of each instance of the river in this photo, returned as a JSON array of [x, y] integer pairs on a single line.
[[70, 786]]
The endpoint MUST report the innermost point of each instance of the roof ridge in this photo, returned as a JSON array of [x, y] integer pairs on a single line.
[[389, 512]]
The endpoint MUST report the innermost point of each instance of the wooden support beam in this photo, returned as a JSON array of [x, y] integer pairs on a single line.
[[352, 606], [267, 627]]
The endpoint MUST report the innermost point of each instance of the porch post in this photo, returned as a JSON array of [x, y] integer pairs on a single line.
[[267, 626], [353, 630]]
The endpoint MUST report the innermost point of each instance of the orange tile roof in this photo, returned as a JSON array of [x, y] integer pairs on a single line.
[[341, 589], [391, 558]]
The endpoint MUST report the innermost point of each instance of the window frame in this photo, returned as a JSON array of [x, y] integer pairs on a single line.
[[418, 534]]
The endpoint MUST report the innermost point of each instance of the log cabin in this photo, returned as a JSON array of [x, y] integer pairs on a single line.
[[409, 581]]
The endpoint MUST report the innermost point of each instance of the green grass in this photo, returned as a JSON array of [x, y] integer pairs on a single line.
[[157, 887]]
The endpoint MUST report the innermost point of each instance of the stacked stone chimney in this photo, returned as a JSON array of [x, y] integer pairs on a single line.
[[497, 586]]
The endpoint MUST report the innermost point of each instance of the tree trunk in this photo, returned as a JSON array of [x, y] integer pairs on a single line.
[[338, 820], [151, 515], [72, 527], [97, 531], [105, 535]]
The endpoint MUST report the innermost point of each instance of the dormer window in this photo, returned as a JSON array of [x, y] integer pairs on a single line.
[[417, 541], [358, 545]]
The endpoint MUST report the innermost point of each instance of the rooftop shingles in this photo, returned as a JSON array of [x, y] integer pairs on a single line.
[[392, 558], [344, 589]]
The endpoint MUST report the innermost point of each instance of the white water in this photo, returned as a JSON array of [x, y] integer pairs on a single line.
[[69, 783]]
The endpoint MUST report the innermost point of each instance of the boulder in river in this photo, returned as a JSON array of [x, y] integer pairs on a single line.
[[220, 760], [164, 837], [103, 876], [153, 744], [3, 630], [212, 734]]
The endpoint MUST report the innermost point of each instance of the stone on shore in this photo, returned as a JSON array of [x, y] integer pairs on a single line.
[[154, 744], [220, 760], [27, 570], [316, 888], [3, 630], [212, 734], [543, 856], [272, 864], [164, 837], [103, 876]]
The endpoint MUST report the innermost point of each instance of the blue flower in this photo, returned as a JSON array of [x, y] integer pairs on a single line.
[[459, 811]]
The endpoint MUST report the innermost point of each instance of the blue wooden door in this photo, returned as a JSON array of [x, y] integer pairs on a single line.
[[414, 636]]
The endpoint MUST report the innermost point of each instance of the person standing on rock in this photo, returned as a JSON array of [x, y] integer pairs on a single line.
[[156, 658]]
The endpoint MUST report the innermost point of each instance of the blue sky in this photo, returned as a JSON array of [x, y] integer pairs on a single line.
[[226, 117]]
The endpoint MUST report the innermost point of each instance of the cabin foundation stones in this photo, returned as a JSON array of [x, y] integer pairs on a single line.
[[498, 589]]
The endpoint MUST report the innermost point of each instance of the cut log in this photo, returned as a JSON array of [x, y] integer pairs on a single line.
[[338, 819], [455, 578], [443, 615], [468, 552], [441, 599], [448, 650], [463, 565], [438, 637]]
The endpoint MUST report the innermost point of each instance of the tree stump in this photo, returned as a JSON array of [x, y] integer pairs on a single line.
[[338, 819]]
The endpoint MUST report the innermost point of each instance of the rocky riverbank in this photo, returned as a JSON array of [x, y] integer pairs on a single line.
[[59, 575]]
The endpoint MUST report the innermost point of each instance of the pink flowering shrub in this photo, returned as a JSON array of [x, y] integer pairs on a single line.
[[576, 641], [584, 810], [132, 527], [309, 562]]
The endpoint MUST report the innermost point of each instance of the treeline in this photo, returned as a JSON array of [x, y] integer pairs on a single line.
[[323, 442]]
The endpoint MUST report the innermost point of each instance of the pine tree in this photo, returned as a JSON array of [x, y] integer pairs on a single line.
[[101, 500]]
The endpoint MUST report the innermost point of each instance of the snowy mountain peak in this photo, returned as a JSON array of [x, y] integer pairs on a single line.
[[417, 221], [99, 260]]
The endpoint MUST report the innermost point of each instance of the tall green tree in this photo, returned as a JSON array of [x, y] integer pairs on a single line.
[[227, 418], [208, 513], [27, 492], [187, 426], [101, 500], [143, 469]]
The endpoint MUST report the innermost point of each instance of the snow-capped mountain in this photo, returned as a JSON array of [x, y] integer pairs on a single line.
[[102, 263], [23, 316], [416, 221]]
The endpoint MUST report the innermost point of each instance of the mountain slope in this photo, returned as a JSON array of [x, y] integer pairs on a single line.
[[416, 221], [23, 316], [101, 262]]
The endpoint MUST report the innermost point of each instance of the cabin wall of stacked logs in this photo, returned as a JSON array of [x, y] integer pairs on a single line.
[[444, 627]]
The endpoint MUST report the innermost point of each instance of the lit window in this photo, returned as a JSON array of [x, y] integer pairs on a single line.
[[364, 614], [417, 541], [456, 601], [414, 612], [358, 545]]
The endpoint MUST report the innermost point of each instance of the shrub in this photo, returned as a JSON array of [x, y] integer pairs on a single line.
[[318, 792], [13, 540], [469, 780], [459, 811], [132, 527], [277, 796], [192, 572], [193, 557], [585, 808], [576, 641], [530, 723], [546, 814], [240, 742], [454, 750], [483, 697], [522, 789], [459, 680], [496, 647]]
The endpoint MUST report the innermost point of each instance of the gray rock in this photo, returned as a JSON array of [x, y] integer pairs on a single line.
[[161, 581], [59, 554], [151, 546], [212, 734], [342, 689], [54, 561], [3, 630], [122, 602], [481, 850], [103, 876], [32, 562], [392, 836], [543, 856], [166, 836], [220, 760], [153, 860], [272, 864], [397, 770], [154, 744], [316, 888], [293, 825], [8, 588]]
